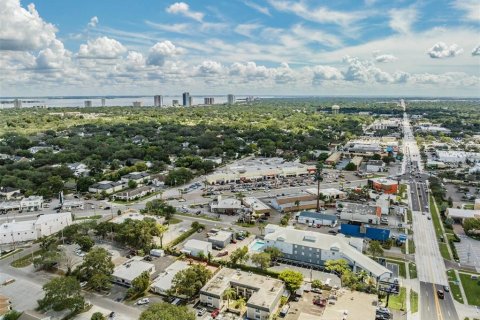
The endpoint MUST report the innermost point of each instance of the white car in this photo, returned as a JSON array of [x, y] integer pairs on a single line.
[[143, 301]]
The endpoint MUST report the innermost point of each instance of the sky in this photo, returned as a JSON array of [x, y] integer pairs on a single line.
[[255, 47]]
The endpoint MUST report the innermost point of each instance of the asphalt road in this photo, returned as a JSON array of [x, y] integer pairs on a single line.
[[430, 264]]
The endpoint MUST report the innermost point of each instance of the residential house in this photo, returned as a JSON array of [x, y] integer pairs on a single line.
[[125, 273]]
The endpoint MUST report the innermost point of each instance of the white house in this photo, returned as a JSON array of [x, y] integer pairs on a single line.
[[125, 273], [44, 225], [32, 203], [196, 247], [163, 282]]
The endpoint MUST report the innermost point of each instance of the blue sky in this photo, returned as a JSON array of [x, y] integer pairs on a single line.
[[370, 47]]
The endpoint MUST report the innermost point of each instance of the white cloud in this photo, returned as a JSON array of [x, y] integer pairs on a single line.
[[160, 51], [22, 29], [247, 29], [315, 36], [384, 57], [249, 70], [364, 71], [318, 14], [476, 51], [101, 48], [209, 68], [184, 28], [93, 22], [322, 73], [184, 9], [401, 20], [54, 57], [135, 61], [257, 7], [470, 7], [441, 50]]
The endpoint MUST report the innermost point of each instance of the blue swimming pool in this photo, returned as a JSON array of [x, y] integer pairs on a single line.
[[257, 245]]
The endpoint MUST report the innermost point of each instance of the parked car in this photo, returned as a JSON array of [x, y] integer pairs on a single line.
[[332, 232], [143, 301], [215, 313], [201, 312]]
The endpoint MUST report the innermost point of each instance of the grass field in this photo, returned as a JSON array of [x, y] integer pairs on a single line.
[[413, 301], [397, 302], [454, 286], [411, 246], [471, 288], [444, 250], [435, 218], [26, 260], [412, 268]]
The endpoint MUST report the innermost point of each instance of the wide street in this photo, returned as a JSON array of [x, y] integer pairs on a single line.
[[430, 265]]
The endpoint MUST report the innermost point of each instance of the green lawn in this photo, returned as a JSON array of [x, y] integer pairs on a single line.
[[411, 246], [454, 287], [174, 220], [471, 288], [4, 256], [413, 301], [444, 250], [435, 218], [397, 302], [25, 261], [409, 216], [412, 268], [95, 217]]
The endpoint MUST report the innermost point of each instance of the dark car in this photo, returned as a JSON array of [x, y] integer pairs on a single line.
[[332, 232], [440, 294], [106, 208]]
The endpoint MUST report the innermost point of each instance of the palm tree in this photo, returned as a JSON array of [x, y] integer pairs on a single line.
[[229, 294], [318, 178], [161, 229], [297, 204], [261, 227], [241, 303]]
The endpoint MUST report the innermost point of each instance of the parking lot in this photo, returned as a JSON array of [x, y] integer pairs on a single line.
[[304, 308]]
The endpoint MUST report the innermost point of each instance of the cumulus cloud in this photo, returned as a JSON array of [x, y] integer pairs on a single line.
[[93, 22], [23, 29], [364, 71], [284, 74], [184, 9], [101, 48], [209, 68], [383, 58], [441, 50], [135, 61], [476, 51], [322, 73], [401, 20], [249, 70], [53, 57], [160, 51]]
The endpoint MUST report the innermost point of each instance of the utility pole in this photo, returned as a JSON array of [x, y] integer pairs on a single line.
[[318, 178]]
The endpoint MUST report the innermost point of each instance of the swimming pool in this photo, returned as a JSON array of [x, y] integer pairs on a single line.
[[257, 245]]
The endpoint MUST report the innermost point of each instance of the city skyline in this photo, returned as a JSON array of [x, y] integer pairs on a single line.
[[274, 47]]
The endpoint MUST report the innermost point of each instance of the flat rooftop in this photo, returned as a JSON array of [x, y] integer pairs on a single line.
[[266, 289]]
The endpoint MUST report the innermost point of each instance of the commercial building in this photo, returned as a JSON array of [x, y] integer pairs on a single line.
[[227, 206], [125, 273], [175, 103], [314, 248], [163, 282], [17, 103], [357, 161], [256, 206], [461, 214], [457, 156], [328, 193], [316, 219], [333, 158], [359, 212], [138, 177], [102, 102], [385, 124], [87, 103], [260, 169], [383, 185], [196, 247], [158, 101], [230, 99], [295, 202], [262, 294], [375, 166], [44, 225], [186, 99], [221, 239], [72, 204], [208, 100], [137, 104], [108, 187], [134, 194]]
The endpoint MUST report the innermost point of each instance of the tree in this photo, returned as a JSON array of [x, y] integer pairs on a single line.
[[339, 266], [139, 285], [161, 229], [229, 294], [350, 167], [97, 316], [317, 284], [96, 269], [167, 311], [261, 228], [83, 183], [62, 293], [85, 242], [261, 260], [293, 279], [49, 254], [274, 253], [239, 255], [12, 315], [188, 282], [132, 184], [376, 156], [375, 249]]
